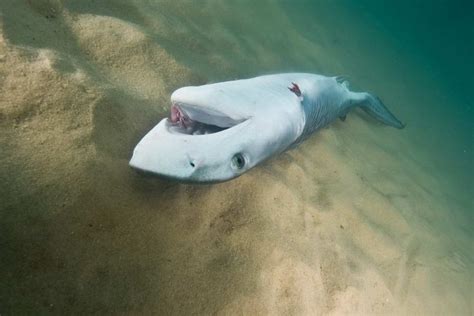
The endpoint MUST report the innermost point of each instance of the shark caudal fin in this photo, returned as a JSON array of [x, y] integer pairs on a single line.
[[375, 108]]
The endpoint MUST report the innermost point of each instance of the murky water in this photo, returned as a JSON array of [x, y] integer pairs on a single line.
[[358, 219]]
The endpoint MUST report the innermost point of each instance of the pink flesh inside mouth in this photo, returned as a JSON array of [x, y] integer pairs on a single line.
[[181, 123], [179, 117]]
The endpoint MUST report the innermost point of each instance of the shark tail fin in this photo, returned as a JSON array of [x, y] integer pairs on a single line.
[[375, 108]]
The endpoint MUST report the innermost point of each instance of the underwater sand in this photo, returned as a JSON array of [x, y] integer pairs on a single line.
[[359, 219]]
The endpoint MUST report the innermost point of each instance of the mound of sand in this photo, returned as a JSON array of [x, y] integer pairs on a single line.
[[355, 220]]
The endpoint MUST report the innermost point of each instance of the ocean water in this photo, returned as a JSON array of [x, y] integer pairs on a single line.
[[359, 219]]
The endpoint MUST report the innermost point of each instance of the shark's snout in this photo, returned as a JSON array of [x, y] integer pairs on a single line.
[[148, 162], [162, 155]]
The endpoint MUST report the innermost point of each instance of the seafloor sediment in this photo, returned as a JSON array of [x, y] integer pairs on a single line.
[[357, 219]]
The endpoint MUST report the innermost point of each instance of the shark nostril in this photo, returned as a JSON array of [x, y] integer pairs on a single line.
[[192, 164]]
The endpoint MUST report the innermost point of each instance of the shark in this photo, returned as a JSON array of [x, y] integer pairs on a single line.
[[217, 132]]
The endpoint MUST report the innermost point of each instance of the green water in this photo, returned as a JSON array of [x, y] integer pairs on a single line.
[[434, 39], [359, 219]]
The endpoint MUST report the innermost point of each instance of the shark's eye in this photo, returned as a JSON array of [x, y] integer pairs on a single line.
[[238, 161]]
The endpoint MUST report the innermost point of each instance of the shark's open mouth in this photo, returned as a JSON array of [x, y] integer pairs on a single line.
[[193, 120]]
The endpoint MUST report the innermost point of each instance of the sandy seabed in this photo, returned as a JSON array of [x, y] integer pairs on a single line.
[[357, 220]]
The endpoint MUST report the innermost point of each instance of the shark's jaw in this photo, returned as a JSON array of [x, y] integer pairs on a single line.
[[191, 119]]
